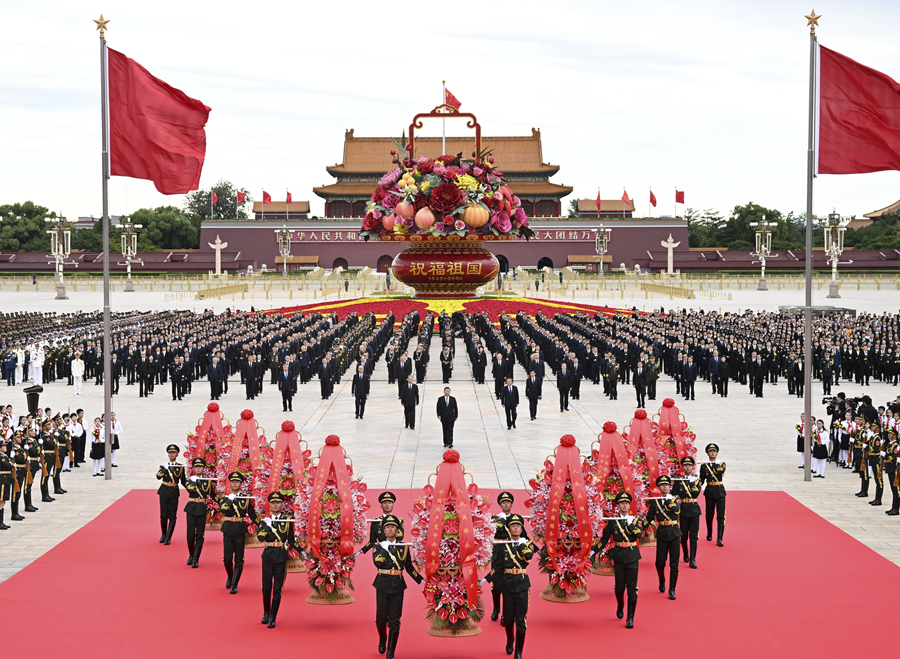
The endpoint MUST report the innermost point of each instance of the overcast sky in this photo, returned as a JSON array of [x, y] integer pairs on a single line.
[[707, 96]]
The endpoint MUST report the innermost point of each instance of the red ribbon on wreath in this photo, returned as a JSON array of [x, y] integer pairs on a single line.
[[642, 435], [451, 480], [331, 459], [613, 445], [212, 420], [670, 424], [567, 466], [246, 429], [287, 444]]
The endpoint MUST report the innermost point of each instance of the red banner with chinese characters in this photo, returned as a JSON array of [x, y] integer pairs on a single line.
[[451, 481], [212, 420], [566, 467], [670, 424], [331, 460], [613, 445], [246, 430], [287, 445], [641, 435]]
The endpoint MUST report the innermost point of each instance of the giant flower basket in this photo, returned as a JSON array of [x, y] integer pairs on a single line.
[[674, 438], [452, 537], [284, 469], [641, 443], [445, 207], [331, 517], [208, 442], [246, 454], [566, 507], [614, 472]]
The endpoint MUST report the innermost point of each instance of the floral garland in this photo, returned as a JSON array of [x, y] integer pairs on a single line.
[[445, 592], [205, 448], [608, 493], [286, 487], [449, 195]]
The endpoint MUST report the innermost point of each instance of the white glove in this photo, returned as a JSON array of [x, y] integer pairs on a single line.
[[521, 541], [384, 544], [883, 454], [629, 518], [482, 581], [356, 554], [231, 497], [193, 479], [502, 515], [668, 496], [267, 521], [40, 441]]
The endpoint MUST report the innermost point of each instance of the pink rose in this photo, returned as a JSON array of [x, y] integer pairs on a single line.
[[502, 222], [459, 225], [439, 227]]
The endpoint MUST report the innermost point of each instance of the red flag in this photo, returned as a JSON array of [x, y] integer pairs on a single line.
[[598, 202], [450, 99], [652, 199], [267, 198], [289, 198], [215, 199], [155, 131], [625, 197], [679, 197], [240, 197], [859, 117]]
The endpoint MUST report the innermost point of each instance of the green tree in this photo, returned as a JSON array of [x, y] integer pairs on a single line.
[[703, 227], [197, 203], [573, 208], [165, 227], [23, 229], [91, 240]]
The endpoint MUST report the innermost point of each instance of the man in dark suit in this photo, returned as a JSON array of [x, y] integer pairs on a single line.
[[447, 412], [688, 378], [404, 370], [509, 399], [216, 376], [288, 387], [326, 377], [498, 372], [143, 373], [759, 372], [533, 388], [115, 371], [446, 364], [577, 373], [640, 384], [724, 376], [360, 390], [409, 396], [563, 383]]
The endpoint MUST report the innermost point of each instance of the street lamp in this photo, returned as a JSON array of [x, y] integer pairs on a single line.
[[129, 249], [283, 236], [763, 247], [601, 243], [834, 247], [60, 247]]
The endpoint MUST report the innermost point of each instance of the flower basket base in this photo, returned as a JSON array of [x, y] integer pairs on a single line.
[[554, 594], [467, 627], [445, 269], [603, 570], [214, 526], [252, 542], [337, 596], [294, 565], [649, 539]]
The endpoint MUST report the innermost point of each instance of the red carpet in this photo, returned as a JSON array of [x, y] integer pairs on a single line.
[[784, 577]]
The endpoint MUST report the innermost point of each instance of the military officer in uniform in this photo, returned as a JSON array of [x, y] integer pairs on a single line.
[[48, 460], [235, 510], [505, 500], [713, 473], [890, 452], [508, 565], [171, 474], [277, 534], [7, 481], [873, 451], [390, 560], [19, 458], [687, 489], [198, 489], [376, 533], [665, 512], [625, 555]]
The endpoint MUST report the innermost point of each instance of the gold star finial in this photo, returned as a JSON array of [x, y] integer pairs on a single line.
[[812, 20], [101, 25]]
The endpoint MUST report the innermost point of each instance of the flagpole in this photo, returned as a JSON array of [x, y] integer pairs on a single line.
[[287, 206], [807, 325], [444, 119], [107, 324], [264, 205]]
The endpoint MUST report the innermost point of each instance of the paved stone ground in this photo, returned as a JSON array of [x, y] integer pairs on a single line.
[[757, 436]]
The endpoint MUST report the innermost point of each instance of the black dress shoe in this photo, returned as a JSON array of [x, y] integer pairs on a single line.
[[662, 586], [59, 491], [17, 518], [892, 512], [30, 509], [47, 499], [190, 560], [265, 619], [719, 543], [162, 539], [272, 623], [671, 594], [195, 564], [228, 583], [709, 537], [693, 565], [495, 614], [233, 590], [168, 541]]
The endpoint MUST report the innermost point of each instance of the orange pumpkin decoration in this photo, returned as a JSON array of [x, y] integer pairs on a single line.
[[476, 216]]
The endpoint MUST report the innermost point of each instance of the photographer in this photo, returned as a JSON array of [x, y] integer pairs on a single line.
[[866, 411]]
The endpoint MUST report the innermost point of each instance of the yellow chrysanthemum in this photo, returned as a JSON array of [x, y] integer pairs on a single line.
[[425, 185], [466, 182]]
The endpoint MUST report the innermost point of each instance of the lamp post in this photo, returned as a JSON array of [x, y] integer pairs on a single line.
[[763, 247], [601, 243], [129, 249], [60, 247], [283, 236], [834, 247]]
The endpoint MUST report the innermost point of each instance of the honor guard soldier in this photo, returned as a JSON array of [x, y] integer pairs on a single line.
[[508, 565], [7, 481], [713, 473], [874, 455], [198, 489], [505, 500], [890, 453], [859, 456], [625, 530], [34, 466], [19, 458], [171, 474], [390, 560], [687, 489], [48, 460], [61, 439], [376, 533], [665, 513], [278, 536], [235, 510]]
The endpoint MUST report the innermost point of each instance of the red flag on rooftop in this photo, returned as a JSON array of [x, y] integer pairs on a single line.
[[859, 117], [289, 198], [156, 132], [679, 196], [215, 199], [598, 202], [240, 197], [267, 198], [450, 99], [625, 197], [652, 199]]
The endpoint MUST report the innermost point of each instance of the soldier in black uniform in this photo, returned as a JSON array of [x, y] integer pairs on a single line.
[[198, 489], [665, 513], [235, 510], [63, 444], [687, 489], [890, 452], [390, 560], [376, 533], [505, 500], [625, 555], [7, 481], [873, 452], [713, 473], [48, 460], [19, 458], [171, 474], [508, 565], [859, 456], [33, 449], [278, 536]]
